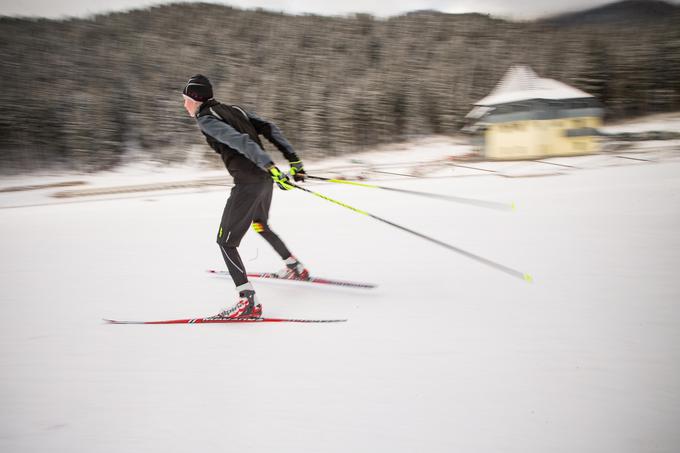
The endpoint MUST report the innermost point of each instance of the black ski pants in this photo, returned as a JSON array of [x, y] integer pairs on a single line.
[[248, 204]]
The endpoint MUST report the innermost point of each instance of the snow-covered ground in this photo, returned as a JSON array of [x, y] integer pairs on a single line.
[[446, 355]]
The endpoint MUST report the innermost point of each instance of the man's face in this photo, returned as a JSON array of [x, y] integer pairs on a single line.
[[190, 105]]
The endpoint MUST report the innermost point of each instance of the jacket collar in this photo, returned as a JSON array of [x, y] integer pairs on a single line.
[[206, 105]]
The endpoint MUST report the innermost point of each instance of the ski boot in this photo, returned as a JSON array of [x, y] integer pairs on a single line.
[[246, 307], [294, 270]]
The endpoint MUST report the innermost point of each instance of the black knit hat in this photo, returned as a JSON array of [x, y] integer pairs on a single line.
[[198, 88]]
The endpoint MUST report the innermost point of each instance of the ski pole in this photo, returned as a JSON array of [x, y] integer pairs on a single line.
[[470, 201], [493, 264]]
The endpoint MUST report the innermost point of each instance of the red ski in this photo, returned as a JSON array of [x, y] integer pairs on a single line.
[[212, 320], [315, 280]]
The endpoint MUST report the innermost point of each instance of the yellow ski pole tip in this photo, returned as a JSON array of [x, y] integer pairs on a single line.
[[528, 278], [513, 206]]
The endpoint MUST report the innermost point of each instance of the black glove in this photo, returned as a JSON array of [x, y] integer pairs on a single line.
[[281, 179], [297, 171]]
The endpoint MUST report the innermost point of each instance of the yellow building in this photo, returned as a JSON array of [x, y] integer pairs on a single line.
[[528, 117]]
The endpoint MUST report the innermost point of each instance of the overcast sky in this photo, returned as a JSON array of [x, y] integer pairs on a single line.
[[515, 9]]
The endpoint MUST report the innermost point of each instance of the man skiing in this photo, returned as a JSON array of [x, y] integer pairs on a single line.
[[234, 133]]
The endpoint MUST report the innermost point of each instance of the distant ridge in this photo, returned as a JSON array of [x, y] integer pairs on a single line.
[[624, 12]]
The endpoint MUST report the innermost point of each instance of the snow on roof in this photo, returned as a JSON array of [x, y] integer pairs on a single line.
[[478, 111], [521, 83]]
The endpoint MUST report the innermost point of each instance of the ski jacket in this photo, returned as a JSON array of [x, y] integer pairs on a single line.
[[234, 133]]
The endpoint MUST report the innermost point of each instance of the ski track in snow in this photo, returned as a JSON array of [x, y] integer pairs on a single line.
[[446, 355]]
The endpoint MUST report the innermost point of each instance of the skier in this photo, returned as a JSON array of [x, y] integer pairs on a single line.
[[234, 133]]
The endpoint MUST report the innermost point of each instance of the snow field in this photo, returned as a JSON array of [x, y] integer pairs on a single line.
[[446, 355]]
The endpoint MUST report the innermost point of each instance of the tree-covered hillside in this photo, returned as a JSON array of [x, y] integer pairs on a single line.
[[83, 92]]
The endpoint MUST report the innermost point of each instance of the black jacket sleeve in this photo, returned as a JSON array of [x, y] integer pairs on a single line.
[[272, 133]]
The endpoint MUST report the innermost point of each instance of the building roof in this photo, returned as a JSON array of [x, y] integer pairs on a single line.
[[521, 83]]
